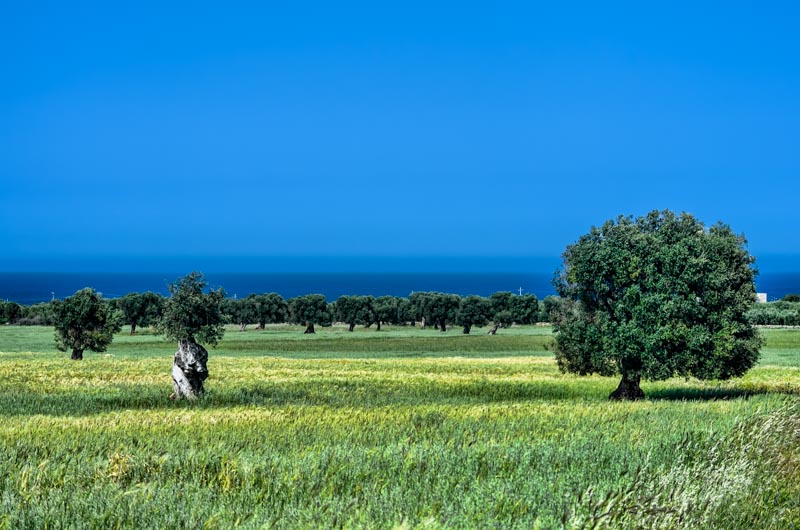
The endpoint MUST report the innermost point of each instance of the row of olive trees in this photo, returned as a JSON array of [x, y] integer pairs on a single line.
[[40, 314], [140, 310], [85, 321], [782, 313], [428, 308], [191, 315]]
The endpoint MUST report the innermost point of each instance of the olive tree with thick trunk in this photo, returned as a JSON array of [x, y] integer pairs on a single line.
[[656, 297], [192, 316]]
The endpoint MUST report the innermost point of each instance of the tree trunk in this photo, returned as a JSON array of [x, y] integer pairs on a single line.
[[444, 326], [242, 326], [467, 329], [77, 355], [379, 325], [628, 389], [189, 370], [351, 326], [493, 330], [422, 323], [261, 324], [133, 328], [309, 328]]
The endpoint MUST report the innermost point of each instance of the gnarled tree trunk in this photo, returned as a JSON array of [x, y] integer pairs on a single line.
[[77, 355], [493, 330], [628, 388], [443, 326], [189, 370], [378, 322], [133, 328], [309, 327], [351, 326]]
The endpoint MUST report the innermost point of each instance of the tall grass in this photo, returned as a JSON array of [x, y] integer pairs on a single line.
[[406, 428]]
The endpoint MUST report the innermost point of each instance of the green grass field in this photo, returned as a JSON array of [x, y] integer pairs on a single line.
[[403, 427]]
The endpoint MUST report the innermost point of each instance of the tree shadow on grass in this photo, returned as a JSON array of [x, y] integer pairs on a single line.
[[714, 394], [325, 393], [340, 393]]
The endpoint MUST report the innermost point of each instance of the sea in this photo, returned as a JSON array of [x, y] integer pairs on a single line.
[[33, 287]]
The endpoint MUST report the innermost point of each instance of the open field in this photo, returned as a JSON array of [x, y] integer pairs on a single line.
[[379, 429]]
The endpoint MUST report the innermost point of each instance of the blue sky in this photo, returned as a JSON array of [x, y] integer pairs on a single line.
[[141, 135]]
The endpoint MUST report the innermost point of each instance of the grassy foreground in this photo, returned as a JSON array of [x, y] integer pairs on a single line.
[[404, 427]]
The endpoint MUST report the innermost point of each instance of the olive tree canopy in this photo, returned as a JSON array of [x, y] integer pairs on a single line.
[[84, 321], [656, 297], [192, 314]]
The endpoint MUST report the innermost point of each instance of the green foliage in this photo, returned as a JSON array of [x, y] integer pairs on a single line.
[[506, 308], [791, 298], [241, 311], [473, 311], [393, 310], [438, 309], [10, 312], [501, 304], [525, 309], [40, 314], [355, 310], [84, 321], [655, 297], [192, 314], [269, 308], [548, 307], [783, 313], [310, 309], [139, 309]]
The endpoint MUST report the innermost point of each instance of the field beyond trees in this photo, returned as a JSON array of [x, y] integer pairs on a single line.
[[379, 429]]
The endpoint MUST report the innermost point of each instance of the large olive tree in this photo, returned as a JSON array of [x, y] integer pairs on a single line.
[[655, 297], [192, 315]]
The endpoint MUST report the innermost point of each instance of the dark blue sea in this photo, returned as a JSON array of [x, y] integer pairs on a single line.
[[28, 288]]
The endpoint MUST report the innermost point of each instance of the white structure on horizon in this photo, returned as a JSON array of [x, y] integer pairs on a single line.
[[761, 298]]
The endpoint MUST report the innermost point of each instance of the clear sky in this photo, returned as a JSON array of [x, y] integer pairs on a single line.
[[144, 132]]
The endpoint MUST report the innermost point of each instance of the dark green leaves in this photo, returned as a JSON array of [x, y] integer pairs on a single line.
[[84, 321], [192, 314], [656, 296]]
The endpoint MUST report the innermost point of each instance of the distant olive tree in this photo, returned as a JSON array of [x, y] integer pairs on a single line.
[[392, 310], [502, 308], [270, 308], [240, 311], [473, 311], [10, 312], [139, 309], [354, 310], [309, 310], [84, 321], [525, 309]]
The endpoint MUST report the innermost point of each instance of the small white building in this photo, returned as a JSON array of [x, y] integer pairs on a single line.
[[761, 298]]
